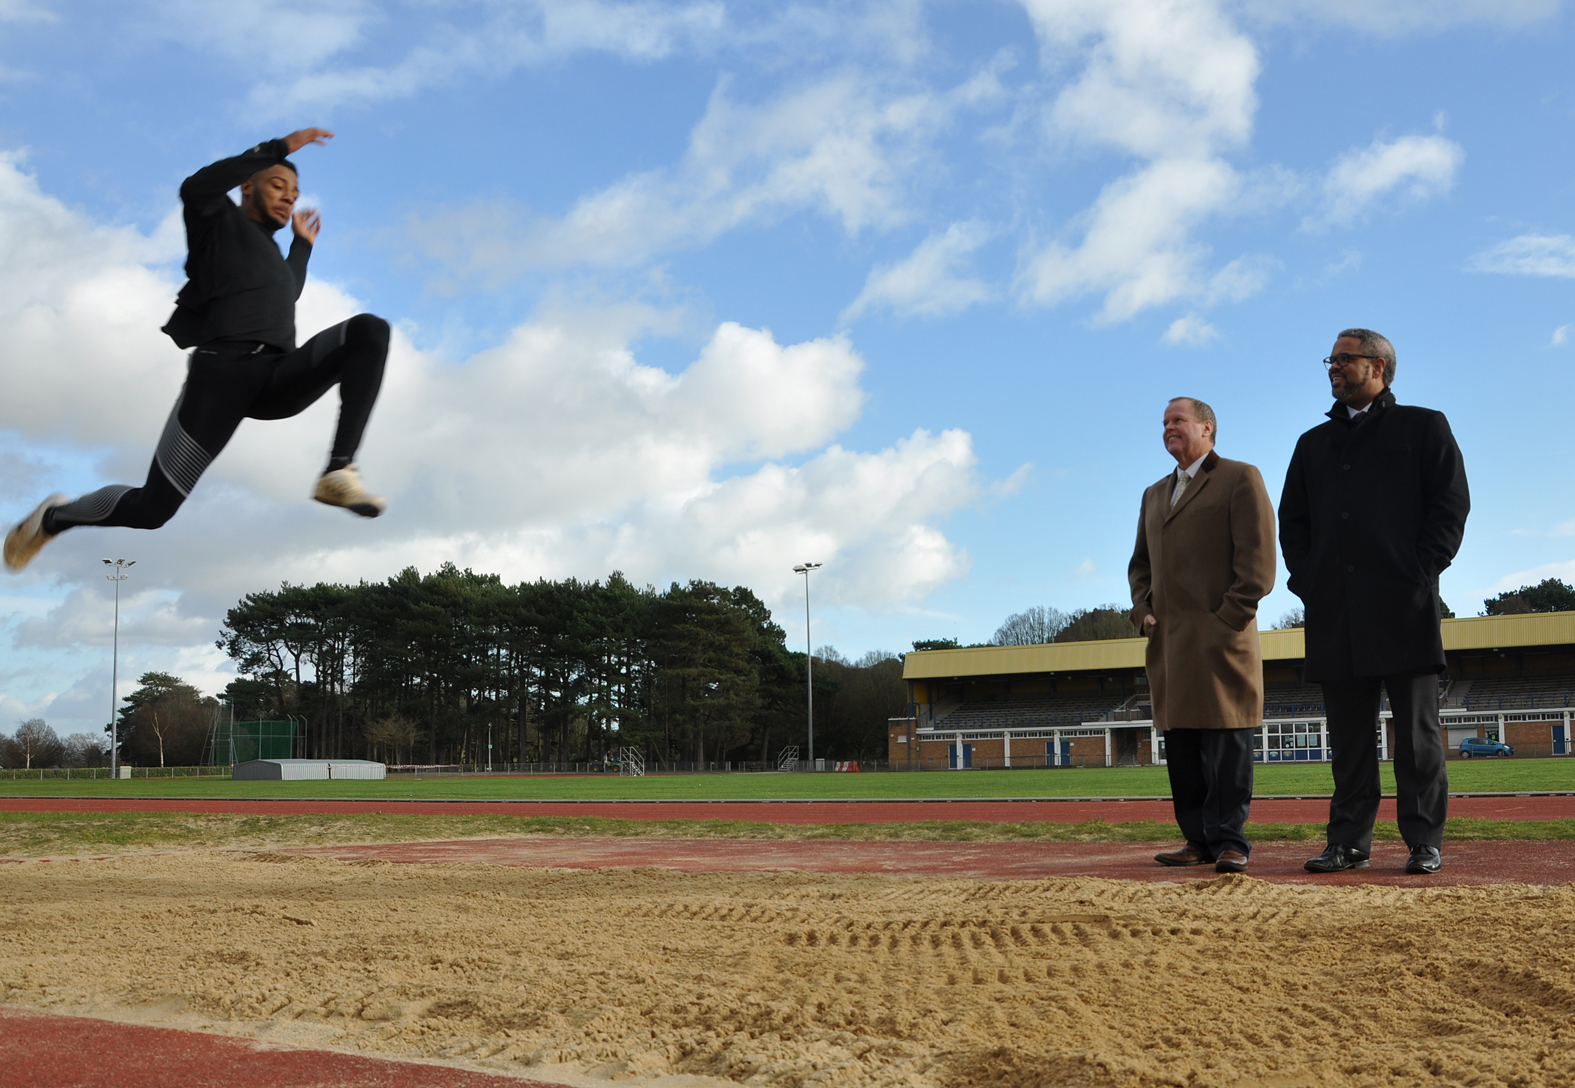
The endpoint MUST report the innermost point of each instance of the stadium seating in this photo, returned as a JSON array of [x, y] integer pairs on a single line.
[[1521, 693], [1292, 701], [1048, 711]]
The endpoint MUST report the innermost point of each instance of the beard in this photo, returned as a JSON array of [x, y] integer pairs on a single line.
[[1349, 388], [260, 206]]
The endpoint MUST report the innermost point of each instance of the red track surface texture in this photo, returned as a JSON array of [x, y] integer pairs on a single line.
[[1264, 810], [1280, 862], [42, 1051]]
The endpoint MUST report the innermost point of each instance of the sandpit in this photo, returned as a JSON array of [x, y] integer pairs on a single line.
[[793, 979]]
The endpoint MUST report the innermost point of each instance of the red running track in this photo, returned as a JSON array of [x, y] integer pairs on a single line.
[[39, 1050], [1264, 810]]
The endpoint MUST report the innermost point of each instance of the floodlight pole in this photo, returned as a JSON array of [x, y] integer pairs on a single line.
[[118, 575], [809, 657]]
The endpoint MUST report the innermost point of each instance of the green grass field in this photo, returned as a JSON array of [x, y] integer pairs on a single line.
[[1478, 776]]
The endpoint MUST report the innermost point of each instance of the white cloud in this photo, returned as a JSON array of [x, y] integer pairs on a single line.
[[1240, 279], [1564, 528], [507, 37], [1174, 85], [1395, 17], [1349, 260], [148, 617], [285, 36], [844, 146], [1560, 335], [1415, 167], [1564, 572], [364, 57], [603, 430], [927, 282], [1530, 255], [73, 291], [1158, 80], [22, 11], [1191, 330], [557, 452], [1139, 246]]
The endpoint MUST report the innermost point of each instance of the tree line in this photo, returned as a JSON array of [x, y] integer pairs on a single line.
[[35, 744], [434, 668], [1041, 623], [416, 669]]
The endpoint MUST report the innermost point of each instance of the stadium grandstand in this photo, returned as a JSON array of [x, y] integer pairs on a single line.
[[1509, 678]]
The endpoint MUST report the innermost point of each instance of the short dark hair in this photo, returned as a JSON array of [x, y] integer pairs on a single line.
[[281, 162], [1374, 344], [1204, 414]]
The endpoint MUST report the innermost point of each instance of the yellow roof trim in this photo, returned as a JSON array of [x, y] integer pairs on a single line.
[[1472, 633]]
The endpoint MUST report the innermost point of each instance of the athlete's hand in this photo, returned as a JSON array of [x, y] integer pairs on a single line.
[[303, 136], [306, 223]]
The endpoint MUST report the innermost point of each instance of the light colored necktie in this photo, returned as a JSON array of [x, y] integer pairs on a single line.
[[1181, 487]]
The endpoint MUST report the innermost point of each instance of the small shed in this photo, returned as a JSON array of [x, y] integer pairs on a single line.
[[296, 770]]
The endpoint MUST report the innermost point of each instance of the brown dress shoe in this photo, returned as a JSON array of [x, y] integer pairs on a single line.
[[1230, 861], [1187, 855]]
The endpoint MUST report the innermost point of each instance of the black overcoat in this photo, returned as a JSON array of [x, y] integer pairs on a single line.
[[1373, 511]]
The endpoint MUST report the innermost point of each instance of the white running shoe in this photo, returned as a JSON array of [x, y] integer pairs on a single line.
[[343, 487], [28, 536]]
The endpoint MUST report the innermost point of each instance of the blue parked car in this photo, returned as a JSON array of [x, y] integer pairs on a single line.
[[1482, 746]]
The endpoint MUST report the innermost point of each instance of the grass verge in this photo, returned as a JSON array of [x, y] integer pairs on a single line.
[[1474, 776], [62, 834]]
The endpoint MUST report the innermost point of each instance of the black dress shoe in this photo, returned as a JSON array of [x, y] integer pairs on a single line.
[[1187, 855], [1424, 860], [1230, 861], [1337, 857]]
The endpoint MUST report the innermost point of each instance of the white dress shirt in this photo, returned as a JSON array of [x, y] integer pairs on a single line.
[[1190, 471]]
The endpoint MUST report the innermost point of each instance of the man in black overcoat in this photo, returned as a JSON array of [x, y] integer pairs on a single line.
[[1374, 508]]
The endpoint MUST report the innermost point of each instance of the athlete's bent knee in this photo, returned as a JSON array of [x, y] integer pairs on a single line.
[[367, 331]]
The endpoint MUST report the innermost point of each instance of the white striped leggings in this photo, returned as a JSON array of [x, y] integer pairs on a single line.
[[226, 383]]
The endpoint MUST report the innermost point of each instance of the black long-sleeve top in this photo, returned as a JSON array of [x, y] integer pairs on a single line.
[[238, 285]]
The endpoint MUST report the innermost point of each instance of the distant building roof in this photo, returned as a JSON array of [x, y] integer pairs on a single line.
[[1472, 633]]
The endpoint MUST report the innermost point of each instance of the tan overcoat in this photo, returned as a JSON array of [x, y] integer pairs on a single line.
[[1201, 568]]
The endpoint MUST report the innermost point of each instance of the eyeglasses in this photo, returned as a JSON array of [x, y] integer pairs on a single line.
[[1345, 359]]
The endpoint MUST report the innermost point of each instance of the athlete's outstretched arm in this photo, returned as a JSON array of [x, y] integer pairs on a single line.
[[213, 182], [303, 136]]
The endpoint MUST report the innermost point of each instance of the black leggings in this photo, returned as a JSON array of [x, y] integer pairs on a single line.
[[229, 382]]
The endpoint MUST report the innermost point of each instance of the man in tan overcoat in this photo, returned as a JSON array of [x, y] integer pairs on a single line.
[[1203, 561]]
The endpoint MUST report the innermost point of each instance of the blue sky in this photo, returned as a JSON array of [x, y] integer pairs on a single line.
[[701, 290]]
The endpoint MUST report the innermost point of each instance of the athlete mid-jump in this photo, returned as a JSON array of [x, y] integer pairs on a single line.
[[237, 310]]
